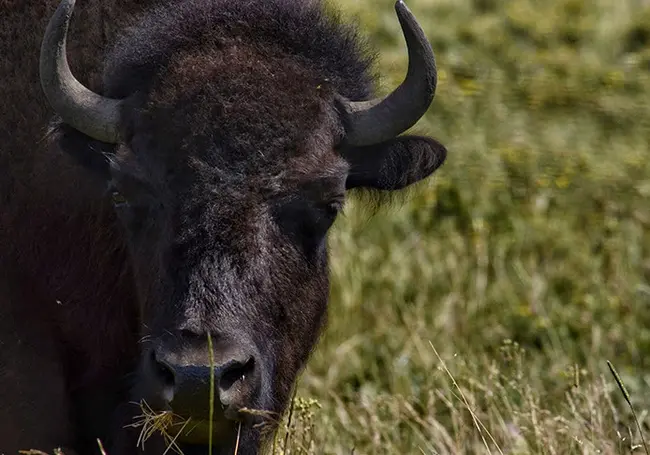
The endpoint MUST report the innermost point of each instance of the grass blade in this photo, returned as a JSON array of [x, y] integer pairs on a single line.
[[621, 386]]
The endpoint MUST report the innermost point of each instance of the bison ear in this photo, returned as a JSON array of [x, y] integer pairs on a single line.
[[394, 164]]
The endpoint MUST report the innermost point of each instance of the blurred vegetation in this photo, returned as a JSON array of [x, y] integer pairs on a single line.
[[524, 263]]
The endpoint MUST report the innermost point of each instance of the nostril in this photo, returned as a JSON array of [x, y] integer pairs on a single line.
[[163, 371], [233, 376]]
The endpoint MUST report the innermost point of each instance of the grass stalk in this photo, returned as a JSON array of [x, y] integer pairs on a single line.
[[625, 393]]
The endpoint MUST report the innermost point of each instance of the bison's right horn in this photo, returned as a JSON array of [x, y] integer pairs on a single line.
[[378, 120], [81, 108]]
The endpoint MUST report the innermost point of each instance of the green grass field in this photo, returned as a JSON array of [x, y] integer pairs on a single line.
[[479, 316]]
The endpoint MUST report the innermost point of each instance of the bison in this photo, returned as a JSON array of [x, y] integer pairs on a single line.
[[168, 228]]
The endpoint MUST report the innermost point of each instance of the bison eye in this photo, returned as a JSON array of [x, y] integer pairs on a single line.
[[334, 207], [306, 221]]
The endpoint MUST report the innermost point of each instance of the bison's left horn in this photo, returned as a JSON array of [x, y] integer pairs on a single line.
[[374, 121], [81, 108]]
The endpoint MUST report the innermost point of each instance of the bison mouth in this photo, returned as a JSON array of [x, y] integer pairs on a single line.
[[188, 435], [197, 432]]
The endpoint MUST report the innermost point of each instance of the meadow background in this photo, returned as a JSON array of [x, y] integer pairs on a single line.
[[479, 316]]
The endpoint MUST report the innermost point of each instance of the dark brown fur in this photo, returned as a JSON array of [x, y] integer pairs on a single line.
[[230, 164]]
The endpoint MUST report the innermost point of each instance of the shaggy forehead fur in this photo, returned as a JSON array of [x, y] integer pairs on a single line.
[[302, 29], [246, 86]]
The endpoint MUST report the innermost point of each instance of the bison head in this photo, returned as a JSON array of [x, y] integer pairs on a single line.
[[227, 146]]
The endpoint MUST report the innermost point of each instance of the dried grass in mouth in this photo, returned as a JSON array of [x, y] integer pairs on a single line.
[[161, 422]]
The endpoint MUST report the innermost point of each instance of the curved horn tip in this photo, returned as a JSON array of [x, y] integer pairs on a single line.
[[67, 6], [404, 13], [86, 111], [400, 6]]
